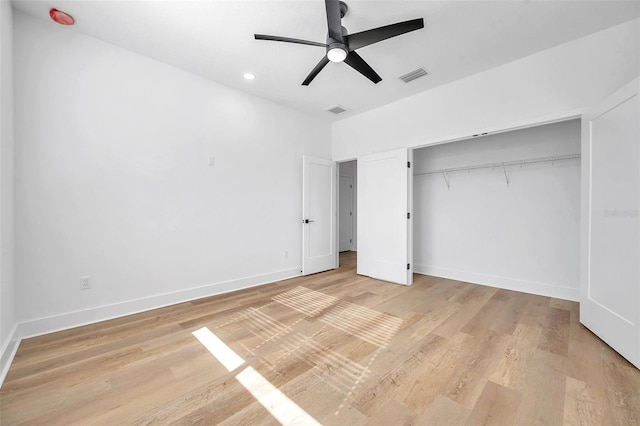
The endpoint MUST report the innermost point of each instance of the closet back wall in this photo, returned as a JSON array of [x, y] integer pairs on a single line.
[[522, 236]]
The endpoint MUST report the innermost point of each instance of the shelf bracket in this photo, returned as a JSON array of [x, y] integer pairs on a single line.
[[446, 180], [506, 177]]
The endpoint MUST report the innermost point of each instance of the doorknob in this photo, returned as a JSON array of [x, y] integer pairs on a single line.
[[307, 221]]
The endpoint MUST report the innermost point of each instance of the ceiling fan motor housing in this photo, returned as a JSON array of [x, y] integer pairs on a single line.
[[338, 44], [333, 44]]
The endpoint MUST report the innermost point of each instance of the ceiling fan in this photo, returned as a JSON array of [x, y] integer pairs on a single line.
[[342, 46]]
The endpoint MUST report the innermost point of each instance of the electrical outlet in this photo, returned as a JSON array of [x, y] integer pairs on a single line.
[[85, 283], [286, 254]]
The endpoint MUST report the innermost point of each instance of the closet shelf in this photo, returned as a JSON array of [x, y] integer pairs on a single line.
[[501, 165]]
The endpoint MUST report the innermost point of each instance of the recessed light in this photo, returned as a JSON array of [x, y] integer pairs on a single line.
[[249, 76]]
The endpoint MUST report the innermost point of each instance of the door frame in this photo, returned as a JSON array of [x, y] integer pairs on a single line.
[[306, 161], [353, 210]]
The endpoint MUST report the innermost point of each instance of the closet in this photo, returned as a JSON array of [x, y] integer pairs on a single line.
[[502, 210]]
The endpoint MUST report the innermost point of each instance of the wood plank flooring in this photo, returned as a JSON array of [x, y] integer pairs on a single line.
[[341, 349]]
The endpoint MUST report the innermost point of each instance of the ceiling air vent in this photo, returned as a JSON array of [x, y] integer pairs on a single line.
[[336, 109], [413, 75]]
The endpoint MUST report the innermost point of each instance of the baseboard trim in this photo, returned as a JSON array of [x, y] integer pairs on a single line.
[[8, 353], [542, 289], [40, 326]]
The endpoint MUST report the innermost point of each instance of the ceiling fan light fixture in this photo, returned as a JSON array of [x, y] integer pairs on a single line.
[[336, 54]]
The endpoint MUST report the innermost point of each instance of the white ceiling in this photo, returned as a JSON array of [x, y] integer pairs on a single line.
[[214, 39]]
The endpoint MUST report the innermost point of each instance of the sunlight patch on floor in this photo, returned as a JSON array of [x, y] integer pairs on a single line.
[[367, 324], [275, 402], [306, 301], [371, 326], [278, 404], [218, 349], [333, 369]]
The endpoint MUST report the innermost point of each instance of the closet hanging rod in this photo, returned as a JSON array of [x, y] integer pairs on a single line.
[[502, 165]]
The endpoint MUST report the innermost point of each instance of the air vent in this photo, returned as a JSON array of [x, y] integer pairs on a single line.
[[420, 72], [336, 109]]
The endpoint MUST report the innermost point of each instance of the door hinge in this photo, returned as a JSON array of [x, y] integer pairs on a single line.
[[350, 186], [350, 240], [408, 215], [408, 266], [350, 213], [409, 164]]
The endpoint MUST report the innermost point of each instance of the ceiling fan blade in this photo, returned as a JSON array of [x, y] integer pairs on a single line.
[[365, 38], [323, 62], [288, 40], [333, 19], [356, 62]]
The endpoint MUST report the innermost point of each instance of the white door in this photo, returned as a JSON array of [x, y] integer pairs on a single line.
[[345, 217], [610, 279], [384, 226], [319, 215]]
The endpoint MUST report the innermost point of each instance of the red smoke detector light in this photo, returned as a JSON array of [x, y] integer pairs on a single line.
[[60, 17]]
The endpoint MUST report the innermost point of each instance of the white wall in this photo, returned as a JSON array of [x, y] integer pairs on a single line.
[[524, 236], [8, 342], [558, 82], [113, 181]]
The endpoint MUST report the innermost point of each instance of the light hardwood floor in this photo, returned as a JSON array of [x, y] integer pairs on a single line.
[[343, 348]]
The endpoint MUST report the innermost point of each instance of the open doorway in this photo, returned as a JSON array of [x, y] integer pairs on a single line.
[[347, 212]]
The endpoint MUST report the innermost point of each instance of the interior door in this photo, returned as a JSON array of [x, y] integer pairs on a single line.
[[384, 223], [319, 215], [610, 280], [345, 217]]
